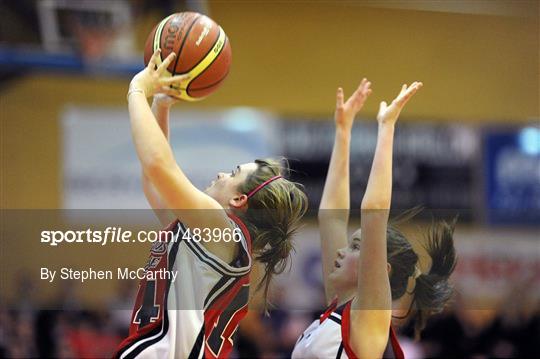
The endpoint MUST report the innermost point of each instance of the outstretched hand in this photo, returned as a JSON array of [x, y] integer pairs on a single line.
[[345, 112], [389, 114], [156, 79]]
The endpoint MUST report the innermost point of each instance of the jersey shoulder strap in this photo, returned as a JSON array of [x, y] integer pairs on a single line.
[[393, 349]]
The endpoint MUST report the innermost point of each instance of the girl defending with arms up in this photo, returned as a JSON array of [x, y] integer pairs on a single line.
[[377, 265]]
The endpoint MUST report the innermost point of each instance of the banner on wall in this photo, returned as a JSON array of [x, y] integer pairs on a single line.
[[434, 165], [512, 175]]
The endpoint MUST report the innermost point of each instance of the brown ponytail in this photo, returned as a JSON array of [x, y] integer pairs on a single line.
[[433, 290], [272, 217]]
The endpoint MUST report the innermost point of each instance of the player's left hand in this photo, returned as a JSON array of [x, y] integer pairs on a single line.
[[345, 112], [155, 79], [388, 114]]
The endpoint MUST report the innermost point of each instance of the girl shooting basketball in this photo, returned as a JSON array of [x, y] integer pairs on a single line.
[[378, 265], [255, 205]]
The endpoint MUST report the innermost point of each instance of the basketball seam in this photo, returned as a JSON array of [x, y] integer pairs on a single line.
[[210, 64], [158, 35], [200, 88], [159, 42], [183, 42], [212, 84]]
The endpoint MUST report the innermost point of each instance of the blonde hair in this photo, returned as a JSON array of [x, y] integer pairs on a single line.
[[273, 216]]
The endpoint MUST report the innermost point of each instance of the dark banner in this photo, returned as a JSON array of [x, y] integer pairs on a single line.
[[433, 164]]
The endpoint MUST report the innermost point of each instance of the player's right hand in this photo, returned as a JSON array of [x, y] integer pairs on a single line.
[[155, 79], [345, 112], [389, 114]]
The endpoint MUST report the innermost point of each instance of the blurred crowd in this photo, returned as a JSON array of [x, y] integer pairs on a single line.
[[26, 331], [63, 327]]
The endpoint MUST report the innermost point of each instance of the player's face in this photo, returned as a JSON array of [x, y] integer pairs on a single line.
[[225, 186], [345, 274]]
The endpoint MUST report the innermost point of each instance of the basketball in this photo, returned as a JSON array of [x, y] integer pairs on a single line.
[[202, 50]]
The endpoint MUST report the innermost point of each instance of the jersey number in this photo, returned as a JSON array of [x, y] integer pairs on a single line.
[[227, 324], [149, 310]]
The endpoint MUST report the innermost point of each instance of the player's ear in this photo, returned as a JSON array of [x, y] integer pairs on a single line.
[[389, 269], [238, 201]]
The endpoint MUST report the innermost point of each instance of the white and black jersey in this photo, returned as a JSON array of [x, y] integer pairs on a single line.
[[328, 337], [196, 315]]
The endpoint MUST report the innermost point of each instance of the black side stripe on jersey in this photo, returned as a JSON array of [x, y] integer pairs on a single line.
[[194, 250], [222, 285], [334, 319], [207, 260], [159, 333], [198, 346], [340, 350], [225, 269], [212, 262], [211, 299]]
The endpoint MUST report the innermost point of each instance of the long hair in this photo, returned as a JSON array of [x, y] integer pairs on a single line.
[[272, 217], [432, 290]]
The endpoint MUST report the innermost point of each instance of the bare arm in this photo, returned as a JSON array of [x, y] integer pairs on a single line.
[[335, 203], [370, 321], [158, 163], [160, 108]]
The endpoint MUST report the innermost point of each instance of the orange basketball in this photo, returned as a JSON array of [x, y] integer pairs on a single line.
[[202, 50]]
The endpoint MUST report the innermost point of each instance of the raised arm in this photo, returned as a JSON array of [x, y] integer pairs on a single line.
[[161, 105], [370, 321], [335, 202], [156, 156]]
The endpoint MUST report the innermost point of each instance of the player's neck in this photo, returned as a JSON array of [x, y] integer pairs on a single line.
[[345, 295]]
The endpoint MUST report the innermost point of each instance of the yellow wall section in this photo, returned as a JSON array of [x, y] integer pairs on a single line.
[[291, 57]]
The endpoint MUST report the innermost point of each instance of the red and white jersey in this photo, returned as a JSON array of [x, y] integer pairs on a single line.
[[197, 314], [328, 337]]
